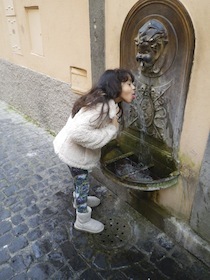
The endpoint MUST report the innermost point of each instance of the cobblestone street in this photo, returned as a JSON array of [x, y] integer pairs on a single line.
[[37, 238]]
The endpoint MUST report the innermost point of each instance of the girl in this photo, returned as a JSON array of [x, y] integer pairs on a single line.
[[92, 124]]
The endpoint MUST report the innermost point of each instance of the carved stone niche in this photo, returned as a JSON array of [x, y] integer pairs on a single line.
[[157, 44]]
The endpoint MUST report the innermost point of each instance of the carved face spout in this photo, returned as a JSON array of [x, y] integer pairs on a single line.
[[146, 56], [151, 41]]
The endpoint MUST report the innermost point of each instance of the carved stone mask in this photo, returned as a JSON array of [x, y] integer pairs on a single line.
[[151, 41]]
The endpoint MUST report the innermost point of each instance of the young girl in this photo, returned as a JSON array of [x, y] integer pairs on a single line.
[[93, 123]]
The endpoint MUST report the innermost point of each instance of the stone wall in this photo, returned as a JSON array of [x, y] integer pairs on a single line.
[[44, 99]]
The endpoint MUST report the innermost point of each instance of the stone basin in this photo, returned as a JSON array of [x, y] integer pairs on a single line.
[[139, 162]]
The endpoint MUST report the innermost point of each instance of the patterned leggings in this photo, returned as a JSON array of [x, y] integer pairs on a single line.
[[81, 185]]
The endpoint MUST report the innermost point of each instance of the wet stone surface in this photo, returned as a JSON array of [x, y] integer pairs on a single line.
[[37, 238]]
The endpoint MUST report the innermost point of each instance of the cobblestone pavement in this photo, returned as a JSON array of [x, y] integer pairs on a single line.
[[37, 238]]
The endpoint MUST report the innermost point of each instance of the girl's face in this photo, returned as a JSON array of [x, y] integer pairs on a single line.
[[127, 93]]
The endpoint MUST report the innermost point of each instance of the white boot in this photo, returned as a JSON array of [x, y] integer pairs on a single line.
[[92, 201], [84, 222]]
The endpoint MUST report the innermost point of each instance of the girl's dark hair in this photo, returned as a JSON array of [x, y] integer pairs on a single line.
[[108, 87]]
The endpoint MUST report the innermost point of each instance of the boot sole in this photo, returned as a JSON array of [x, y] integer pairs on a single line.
[[82, 229]]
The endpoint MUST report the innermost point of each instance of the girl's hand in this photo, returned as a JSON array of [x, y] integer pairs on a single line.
[[115, 122]]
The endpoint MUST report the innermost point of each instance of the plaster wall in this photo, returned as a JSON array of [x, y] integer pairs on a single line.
[[116, 12], [178, 199], [65, 37], [36, 78]]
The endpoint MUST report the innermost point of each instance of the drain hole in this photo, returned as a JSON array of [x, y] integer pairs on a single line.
[[115, 233]]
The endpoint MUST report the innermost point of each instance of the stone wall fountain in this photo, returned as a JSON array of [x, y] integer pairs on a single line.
[[157, 44]]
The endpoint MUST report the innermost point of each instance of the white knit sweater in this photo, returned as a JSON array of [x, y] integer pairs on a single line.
[[79, 142]]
